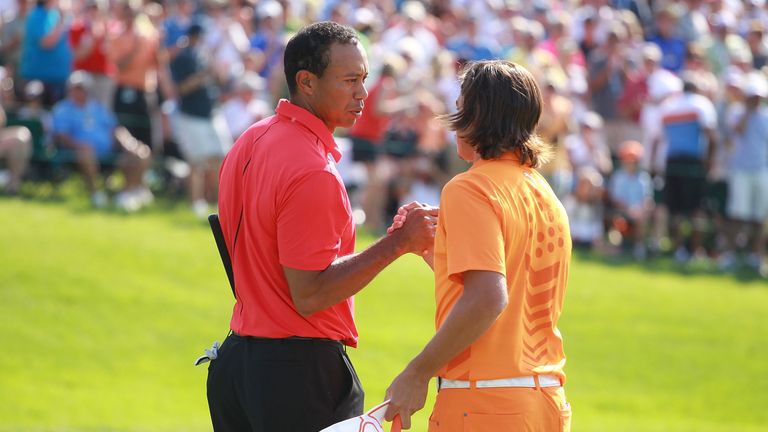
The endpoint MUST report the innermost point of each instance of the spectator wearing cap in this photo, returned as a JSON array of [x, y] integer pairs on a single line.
[[639, 8], [225, 40], [269, 38], [757, 44], [630, 194], [692, 25], [558, 33], [410, 25], [88, 37], [689, 123], [748, 176], [662, 85], [753, 10], [672, 47], [587, 147], [201, 133], [634, 95], [45, 53], [607, 73], [86, 127], [585, 208], [527, 53], [718, 47], [247, 105]]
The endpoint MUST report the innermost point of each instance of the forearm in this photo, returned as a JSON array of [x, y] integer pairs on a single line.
[[711, 148], [192, 83], [67, 142], [346, 276], [52, 38], [474, 313]]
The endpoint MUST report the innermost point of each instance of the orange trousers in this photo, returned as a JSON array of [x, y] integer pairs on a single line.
[[501, 409]]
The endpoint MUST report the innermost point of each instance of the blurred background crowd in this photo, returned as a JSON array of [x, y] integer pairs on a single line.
[[654, 109]]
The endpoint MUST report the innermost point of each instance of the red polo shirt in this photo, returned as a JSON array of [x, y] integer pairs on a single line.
[[282, 203]]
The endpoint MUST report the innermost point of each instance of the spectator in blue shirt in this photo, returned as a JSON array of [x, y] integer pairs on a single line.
[[83, 125], [673, 48], [45, 53], [630, 191]]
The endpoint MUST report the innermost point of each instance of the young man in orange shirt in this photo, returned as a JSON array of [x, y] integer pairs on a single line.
[[501, 257]]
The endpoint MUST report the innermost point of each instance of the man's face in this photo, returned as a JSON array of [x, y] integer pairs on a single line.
[[338, 99], [78, 94]]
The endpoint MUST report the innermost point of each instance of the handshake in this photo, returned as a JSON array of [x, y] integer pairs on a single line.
[[415, 224]]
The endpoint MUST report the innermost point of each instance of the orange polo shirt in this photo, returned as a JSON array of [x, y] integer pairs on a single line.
[[283, 203], [501, 216]]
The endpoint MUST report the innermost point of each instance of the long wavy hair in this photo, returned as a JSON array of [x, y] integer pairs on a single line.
[[499, 109]]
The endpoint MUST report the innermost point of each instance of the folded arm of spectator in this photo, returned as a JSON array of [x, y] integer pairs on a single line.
[[52, 38], [194, 82]]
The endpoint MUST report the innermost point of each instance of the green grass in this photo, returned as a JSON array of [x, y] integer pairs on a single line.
[[102, 315]]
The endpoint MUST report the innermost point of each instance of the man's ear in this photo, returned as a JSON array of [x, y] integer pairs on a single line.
[[306, 82]]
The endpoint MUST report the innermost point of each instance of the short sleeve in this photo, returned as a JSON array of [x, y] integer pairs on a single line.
[[473, 232], [61, 122], [311, 221]]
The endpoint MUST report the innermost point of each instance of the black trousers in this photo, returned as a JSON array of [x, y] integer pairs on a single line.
[[132, 108], [281, 385]]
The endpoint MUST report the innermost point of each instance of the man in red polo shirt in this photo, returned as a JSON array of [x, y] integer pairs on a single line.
[[287, 222]]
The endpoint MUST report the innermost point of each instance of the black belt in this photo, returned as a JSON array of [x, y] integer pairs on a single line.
[[290, 340]]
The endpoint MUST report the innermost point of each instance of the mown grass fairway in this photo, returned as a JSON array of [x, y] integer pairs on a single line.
[[102, 315]]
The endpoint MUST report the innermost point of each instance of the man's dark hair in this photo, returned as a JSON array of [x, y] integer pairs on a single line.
[[310, 49], [500, 109]]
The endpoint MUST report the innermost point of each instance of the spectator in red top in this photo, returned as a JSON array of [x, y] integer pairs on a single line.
[[88, 37], [286, 220], [368, 133]]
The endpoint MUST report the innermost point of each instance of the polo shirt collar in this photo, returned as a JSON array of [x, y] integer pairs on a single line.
[[510, 155], [298, 114]]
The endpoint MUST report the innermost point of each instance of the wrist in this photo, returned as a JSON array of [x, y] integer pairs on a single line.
[[397, 243], [419, 371]]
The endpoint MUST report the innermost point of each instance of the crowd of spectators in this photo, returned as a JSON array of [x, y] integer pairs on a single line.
[[654, 109]]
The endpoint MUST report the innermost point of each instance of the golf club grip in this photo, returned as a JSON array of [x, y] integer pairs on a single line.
[[221, 245], [396, 424]]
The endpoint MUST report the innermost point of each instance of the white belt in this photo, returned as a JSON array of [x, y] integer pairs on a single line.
[[525, 381]]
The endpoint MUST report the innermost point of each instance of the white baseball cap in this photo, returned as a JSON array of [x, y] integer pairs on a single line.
[[756, 85], [371, 421], [663, 83]]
